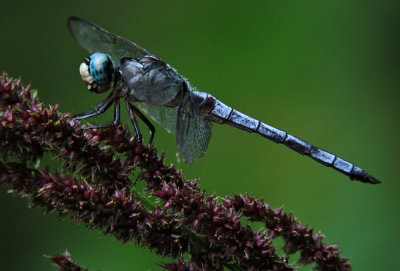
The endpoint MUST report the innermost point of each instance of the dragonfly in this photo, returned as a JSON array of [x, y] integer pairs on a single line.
[[150, 85]]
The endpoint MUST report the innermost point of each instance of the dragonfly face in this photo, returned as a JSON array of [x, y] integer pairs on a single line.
[[164, 95], [97, 72]]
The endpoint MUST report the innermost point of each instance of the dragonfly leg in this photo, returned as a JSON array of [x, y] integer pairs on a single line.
[[134, 111], [98, 109], [116, 120], [131, 113]]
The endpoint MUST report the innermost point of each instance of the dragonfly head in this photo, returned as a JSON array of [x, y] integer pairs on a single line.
[[97, 71]]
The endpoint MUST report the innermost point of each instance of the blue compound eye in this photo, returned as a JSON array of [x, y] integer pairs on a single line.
[[101, 68]]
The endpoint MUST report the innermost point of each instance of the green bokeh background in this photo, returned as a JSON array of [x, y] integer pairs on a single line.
[[326, 71]]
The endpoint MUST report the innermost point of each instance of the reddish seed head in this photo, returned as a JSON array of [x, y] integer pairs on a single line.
[[138, 149], [104, 185], [137, 159], [86, 195], [67, 181]]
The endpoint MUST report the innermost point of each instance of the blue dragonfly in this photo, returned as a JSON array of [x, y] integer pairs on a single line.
[[149, 85]]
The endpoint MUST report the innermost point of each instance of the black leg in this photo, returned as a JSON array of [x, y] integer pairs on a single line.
[[135, 124], [98, 109], [144, 119], [116, 120]]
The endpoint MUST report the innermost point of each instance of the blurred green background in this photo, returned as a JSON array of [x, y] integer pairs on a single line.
[[325, 71]]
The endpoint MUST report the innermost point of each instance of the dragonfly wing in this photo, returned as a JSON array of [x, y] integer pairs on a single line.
[[96, 39], [165, 116], [193, 131]]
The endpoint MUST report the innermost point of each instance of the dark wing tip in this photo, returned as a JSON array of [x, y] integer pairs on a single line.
[[71, 19], [77, 27], [76, 20]]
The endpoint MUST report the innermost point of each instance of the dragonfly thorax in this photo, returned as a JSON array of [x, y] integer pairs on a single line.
[[151, 80], [97, 72]]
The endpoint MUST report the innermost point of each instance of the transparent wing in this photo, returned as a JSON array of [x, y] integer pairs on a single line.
[[193, 131], [165, 116], [96, 39]]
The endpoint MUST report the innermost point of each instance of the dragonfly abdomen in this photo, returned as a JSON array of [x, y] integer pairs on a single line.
[[217, 111]]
